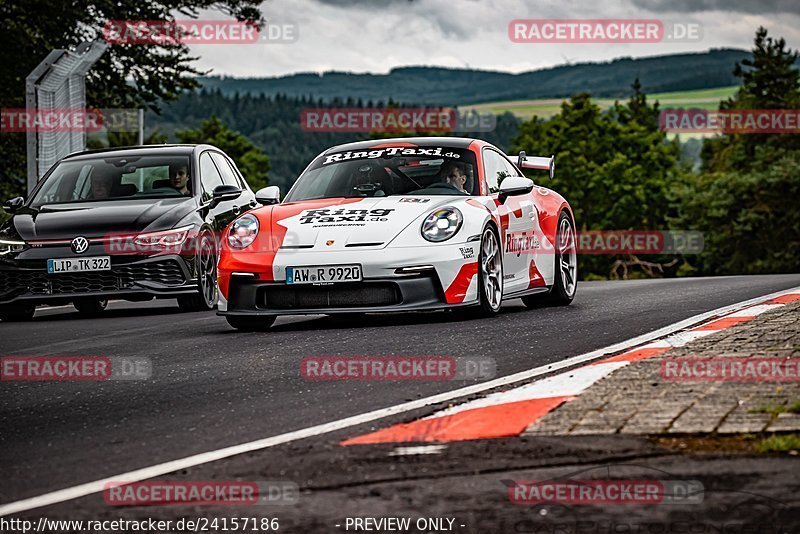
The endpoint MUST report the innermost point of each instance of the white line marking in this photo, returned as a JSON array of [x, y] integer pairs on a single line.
[[660, 344], [145, 473], [756, 310], [566, 384], [420, 449]]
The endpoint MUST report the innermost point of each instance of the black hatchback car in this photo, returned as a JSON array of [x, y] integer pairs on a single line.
[[132, 223]]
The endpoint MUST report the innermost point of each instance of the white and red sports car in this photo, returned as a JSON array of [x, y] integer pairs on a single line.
[[400, 224]]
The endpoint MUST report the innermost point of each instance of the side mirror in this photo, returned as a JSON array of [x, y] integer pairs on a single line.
[[269, 195], [13, 204], [224, 192], [514, 185]]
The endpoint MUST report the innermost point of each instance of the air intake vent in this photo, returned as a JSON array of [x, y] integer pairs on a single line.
[[363, 295]]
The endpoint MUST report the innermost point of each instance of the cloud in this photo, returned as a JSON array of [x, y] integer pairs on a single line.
[[379, 35], [733, 6]]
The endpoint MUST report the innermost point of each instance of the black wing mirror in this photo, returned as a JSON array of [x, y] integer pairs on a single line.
[[13, 204], [223, 193]]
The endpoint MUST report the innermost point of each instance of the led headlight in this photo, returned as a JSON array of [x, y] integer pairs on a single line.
[[8, 246], [442, 224], [167, 240], [243, 232]]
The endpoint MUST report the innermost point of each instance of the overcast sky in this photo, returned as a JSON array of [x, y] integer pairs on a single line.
[[377, 35]]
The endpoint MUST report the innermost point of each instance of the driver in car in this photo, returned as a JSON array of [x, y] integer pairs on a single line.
[[454, 173], [180, 179], [101, 185]]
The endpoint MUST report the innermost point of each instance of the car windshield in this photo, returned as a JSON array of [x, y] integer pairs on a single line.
[[116, 178], [387, 171]]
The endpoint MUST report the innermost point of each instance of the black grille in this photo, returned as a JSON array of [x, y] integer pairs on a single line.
[[166, 272], [337, 296]]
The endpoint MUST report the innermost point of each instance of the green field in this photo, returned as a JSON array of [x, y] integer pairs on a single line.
[[525, 109]]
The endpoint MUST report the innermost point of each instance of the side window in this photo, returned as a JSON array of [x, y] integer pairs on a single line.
[[244, 185], [228, 176], [510, 169], [209, 175], [496, 168]]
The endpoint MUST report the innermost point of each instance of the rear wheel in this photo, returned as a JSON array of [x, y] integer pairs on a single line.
[[490, 274], [565, 283], [207, 293], [90, 306], [258, 323], [17, 312]]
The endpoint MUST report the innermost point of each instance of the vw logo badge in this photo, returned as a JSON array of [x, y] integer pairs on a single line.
[[79, 245]]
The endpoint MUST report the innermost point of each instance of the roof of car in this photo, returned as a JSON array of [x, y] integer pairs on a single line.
[[137, 150], [453, 142]]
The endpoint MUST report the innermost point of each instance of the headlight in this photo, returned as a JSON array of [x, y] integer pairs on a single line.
[[167, 240], [7, 246], [243, 232], [442, 224]]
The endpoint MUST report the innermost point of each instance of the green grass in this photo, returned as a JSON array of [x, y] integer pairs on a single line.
[[547, 107], [779, 443], [775, 409]]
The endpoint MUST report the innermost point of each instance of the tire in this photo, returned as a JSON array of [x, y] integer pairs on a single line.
[[565, 283], [90, 306], [206, 263], [17, 313], [259, 323], [490, 274]]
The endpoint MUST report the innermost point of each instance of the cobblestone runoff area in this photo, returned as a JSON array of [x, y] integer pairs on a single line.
[[638, 399]]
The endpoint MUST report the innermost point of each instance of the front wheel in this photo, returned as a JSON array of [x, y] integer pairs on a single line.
[[490, 274], [90, 306], [565, 283], [207, 293], [16, 313], [258, 323]]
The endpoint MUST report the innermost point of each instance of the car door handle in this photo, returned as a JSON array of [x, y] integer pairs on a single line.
[[237, 210]]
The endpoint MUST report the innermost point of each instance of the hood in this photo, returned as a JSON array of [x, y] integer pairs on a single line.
[[351, 222], [96, 219]]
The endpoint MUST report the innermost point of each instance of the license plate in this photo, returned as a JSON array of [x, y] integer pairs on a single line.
[[78, 265], [323, 274]]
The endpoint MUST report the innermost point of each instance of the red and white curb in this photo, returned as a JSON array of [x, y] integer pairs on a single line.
[[508, 413]]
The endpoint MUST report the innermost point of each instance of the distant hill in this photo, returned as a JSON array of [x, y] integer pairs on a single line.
[[436, 85]]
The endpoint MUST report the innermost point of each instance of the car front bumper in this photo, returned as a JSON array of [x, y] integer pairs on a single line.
[[26, 280], [394, 279]]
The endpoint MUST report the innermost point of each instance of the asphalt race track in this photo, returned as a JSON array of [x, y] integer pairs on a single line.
[[213, 387]]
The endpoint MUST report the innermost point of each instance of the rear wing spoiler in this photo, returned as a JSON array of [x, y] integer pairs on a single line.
[[541, 163]]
